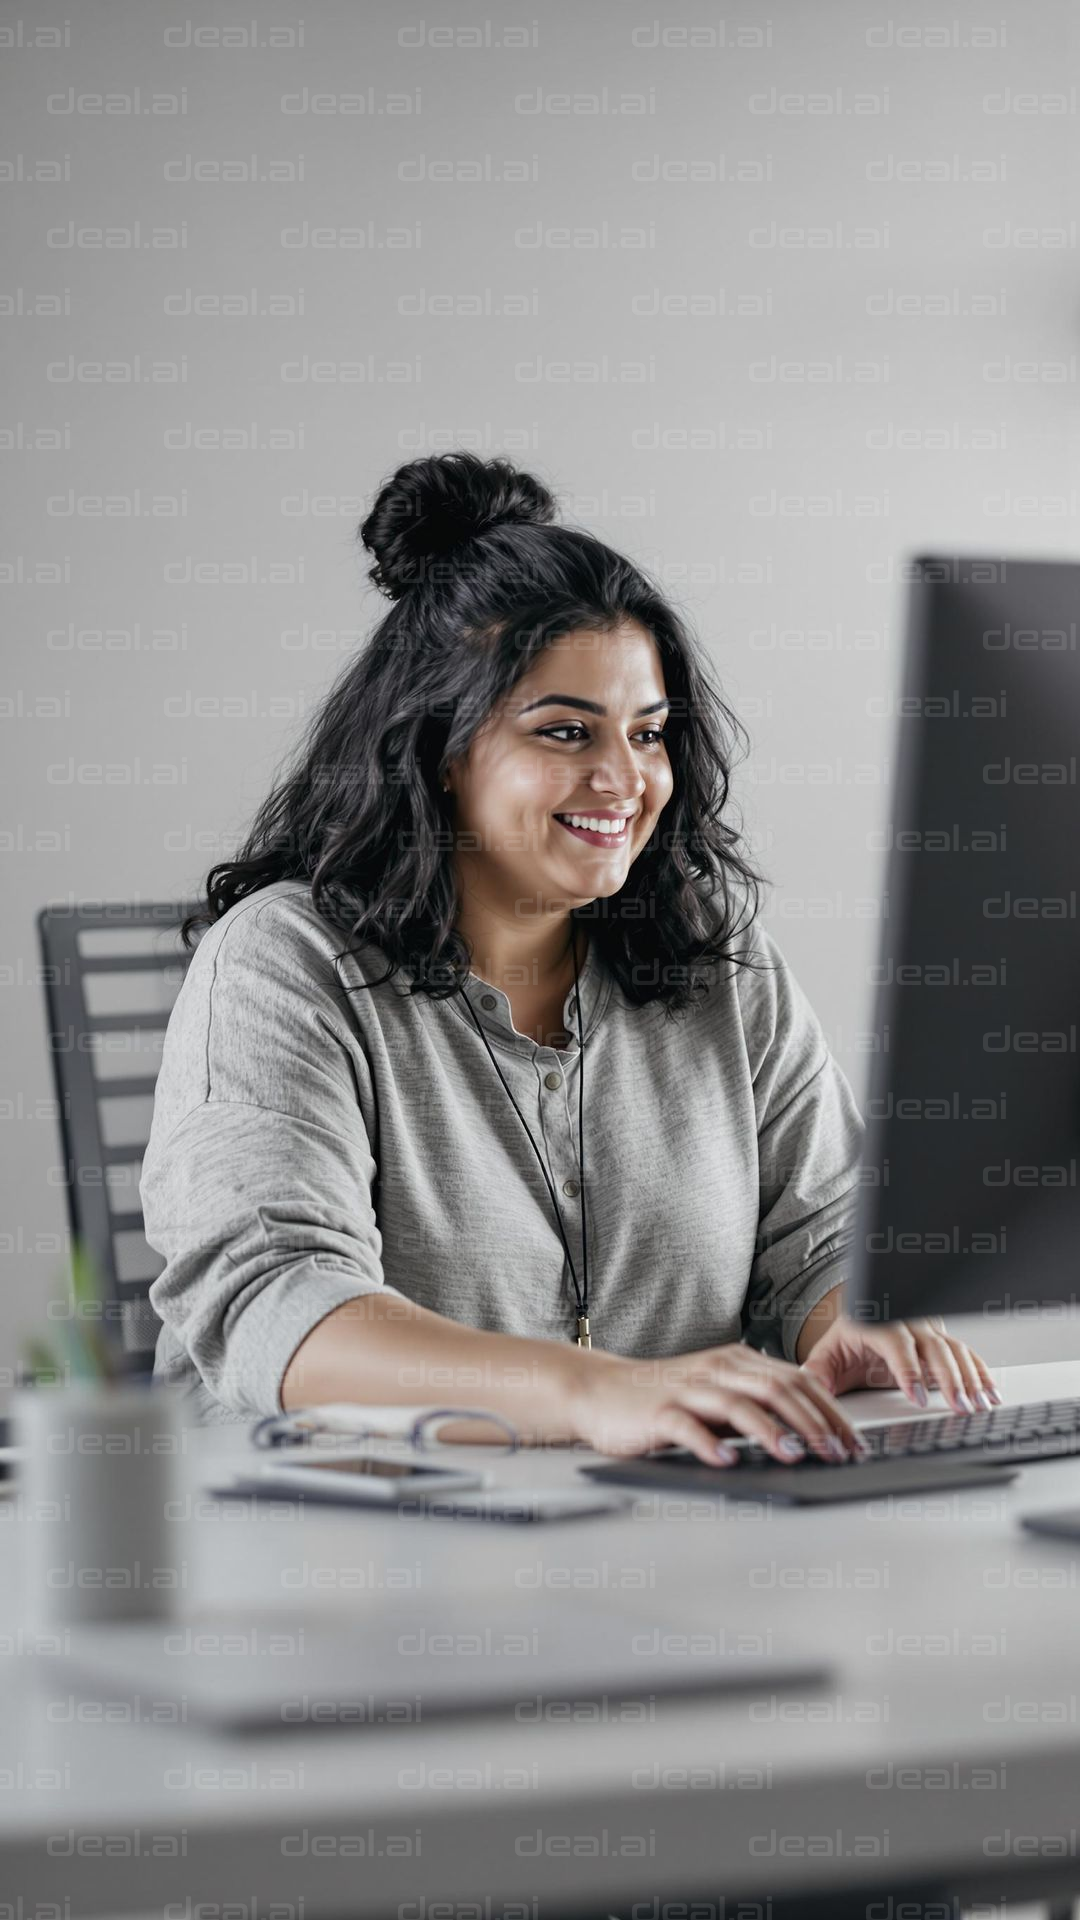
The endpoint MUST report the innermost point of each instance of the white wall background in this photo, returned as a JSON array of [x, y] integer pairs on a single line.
[[775, 296]]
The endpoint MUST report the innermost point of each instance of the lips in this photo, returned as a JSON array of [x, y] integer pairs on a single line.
[[592, 839]]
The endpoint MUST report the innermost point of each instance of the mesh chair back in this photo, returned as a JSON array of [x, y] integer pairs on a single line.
[[112, 973]]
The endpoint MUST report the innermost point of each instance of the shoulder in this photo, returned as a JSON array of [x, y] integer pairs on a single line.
[[279, 916], [277, 937], [765, 978], [262, 1018], [262, 981], [773, 1007]]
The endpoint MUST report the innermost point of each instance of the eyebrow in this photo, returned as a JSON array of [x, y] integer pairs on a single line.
[[587, 706]]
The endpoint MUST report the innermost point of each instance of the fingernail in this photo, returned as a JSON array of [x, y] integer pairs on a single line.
[[994, 1394], [835, 1447], [963, 1402], [983, 1399], [726, 1454], [790, 1447], [919, 1394]]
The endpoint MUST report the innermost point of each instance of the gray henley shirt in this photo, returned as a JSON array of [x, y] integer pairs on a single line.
[[310, 1144]]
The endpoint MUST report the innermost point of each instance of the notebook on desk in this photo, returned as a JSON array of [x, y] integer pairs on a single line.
[[418, 1658]]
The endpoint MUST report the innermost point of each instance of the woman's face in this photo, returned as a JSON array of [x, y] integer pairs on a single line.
[[582, 733]]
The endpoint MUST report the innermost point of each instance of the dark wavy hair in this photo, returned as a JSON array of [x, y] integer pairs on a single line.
[[482, 581]]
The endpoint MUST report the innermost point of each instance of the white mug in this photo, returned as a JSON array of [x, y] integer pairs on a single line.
[[94, 1489]]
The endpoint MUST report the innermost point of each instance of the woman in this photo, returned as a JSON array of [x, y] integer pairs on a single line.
[[471, 1094]]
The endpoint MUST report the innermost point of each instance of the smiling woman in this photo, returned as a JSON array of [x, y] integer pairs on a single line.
[[510, 812], [509, 682]]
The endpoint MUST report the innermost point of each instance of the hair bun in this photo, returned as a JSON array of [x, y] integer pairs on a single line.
[[433, 506]]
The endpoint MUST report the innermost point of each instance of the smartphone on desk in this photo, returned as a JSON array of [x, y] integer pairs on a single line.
[[368, 1479], [1059, 1523]]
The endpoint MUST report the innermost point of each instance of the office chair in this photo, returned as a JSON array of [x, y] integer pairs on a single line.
[[112, 972]]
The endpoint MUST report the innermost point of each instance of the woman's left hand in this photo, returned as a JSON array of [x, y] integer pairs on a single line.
[[911, 1354]]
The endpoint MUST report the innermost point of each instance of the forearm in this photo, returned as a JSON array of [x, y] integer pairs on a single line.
[[384, 1350], [818, 1321]]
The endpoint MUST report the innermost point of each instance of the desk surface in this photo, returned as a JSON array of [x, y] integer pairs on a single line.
[[949, 1742]]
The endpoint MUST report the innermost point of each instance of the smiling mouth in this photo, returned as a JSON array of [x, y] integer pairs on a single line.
[[592, 839]]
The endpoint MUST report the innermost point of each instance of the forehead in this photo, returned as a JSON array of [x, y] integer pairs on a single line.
[[621, 666]]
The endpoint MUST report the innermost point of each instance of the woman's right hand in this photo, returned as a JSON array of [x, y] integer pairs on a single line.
[[626, 1406]]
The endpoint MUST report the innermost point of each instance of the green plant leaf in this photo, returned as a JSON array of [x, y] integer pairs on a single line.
[[40, 1359], [86, 1284]]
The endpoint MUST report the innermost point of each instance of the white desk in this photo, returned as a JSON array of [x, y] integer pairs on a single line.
[[950, 1744]]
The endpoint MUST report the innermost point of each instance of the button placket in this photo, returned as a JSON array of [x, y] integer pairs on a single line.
[[562, 1154], [557, 1126]]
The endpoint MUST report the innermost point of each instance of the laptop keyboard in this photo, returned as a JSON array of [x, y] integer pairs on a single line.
[[1036, 1431]]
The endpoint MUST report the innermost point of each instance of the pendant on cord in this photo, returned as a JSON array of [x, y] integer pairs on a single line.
[[583, 1336]]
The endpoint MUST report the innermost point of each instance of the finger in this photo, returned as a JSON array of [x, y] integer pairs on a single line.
[[897, 1346], [972, 1371], [969, 1372], [748, 1416], [677, 1423], [940, 1362], [834, 1413], [978, 1381], [808, 1407], [989, 1384], [770, 1376], [932, 1323]]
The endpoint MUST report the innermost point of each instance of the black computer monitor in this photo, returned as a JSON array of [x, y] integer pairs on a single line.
[[970, 1177]]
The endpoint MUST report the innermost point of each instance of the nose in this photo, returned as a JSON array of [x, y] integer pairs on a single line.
[[616, 774]]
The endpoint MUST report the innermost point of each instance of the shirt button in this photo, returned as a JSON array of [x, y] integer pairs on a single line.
[[571, 1189], [489, 1002], [553, 1080]]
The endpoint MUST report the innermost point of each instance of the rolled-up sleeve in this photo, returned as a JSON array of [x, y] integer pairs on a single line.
[[810, 1135], [257, 1179]]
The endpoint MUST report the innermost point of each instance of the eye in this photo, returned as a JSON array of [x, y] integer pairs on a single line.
[[575, 726]]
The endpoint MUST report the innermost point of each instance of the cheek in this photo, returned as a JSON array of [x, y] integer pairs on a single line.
[[511, 782], [536, 783], [540, 782], [661, 786]]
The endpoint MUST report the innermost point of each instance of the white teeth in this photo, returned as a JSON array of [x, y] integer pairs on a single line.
[[594, 826]]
